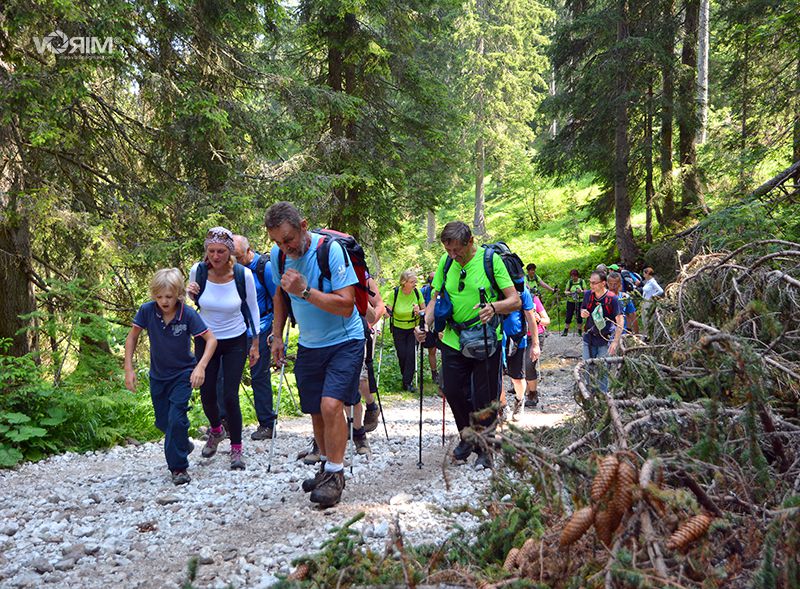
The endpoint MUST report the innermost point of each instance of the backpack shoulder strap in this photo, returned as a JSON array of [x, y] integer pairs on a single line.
[[416, 292], [241, 288], [260, 274], [488, 267], [323, 259], [201, 277]]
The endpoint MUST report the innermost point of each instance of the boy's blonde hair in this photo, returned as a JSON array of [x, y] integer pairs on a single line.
[[168, 279]]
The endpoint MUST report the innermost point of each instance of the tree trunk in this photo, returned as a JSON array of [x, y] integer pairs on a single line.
[[667, 110], [649, 190], [16, 291], [624, 232], [479, 220], [431, 217], [687, 120], [796, 131], [743, 182], [554, 122], [702, 69]]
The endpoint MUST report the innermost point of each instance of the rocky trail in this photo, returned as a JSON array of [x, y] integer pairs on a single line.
[[113, 518]]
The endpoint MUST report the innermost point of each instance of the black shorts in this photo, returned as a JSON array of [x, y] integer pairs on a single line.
[[332, 371]]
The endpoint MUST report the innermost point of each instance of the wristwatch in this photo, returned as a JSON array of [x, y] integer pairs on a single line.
[[306, 293], [270, 339]]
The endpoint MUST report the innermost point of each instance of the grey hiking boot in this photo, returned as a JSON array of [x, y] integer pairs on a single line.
[[311, 484], [180, 477], [262, 433], [371, 417], [237, 461], [517, 410], [212, 442], [328, 491], [362, 446], [310, 455]]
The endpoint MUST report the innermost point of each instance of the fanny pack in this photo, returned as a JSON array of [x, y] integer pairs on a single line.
[[472, 342], [442, 311]]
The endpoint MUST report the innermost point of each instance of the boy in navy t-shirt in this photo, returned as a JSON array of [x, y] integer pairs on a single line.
[[170, 326]]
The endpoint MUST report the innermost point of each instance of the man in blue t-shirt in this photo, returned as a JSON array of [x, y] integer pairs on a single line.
[[259, 372], [330, 351]]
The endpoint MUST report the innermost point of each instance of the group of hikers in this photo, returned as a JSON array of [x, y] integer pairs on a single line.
[[479, 310]]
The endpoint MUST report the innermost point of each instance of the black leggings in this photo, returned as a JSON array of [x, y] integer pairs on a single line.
[[230, 357], [573, 308], [406, 345], [470, 385]]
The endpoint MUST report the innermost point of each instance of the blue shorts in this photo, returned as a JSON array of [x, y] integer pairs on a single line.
[[332, 371]]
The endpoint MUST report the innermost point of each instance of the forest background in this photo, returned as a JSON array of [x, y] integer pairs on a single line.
[[579, 131]]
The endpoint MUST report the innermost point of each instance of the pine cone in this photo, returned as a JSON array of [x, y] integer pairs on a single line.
[[626, 481], [605, 526], [576, 527], [300, 573], [511, 559], [689, 531], [606, 473], [528, 552]]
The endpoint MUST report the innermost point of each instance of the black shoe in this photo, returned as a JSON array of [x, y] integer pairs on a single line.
[[262, 433], [311, 484], [532, 400], [371, 417], [180, 477], [328, 491], [565, 333], [462, 451], [411, 388], [484, 460]]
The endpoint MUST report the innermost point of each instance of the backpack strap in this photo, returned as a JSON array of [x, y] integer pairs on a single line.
[[394, 304], [488, 267], [419, 300], [200, 277], [241, 288], [260, 274], [323, 258]]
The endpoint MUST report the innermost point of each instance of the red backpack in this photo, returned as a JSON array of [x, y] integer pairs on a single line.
[[355, 256]]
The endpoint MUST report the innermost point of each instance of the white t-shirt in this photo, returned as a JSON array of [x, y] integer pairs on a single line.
[[651, 289], [220, 305]]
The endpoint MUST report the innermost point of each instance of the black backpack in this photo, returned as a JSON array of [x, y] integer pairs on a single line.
[[201, 277], [512, 262], [261, 266]]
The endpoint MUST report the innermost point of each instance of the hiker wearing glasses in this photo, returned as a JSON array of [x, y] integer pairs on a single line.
[[225, 292], [604, 323], [330, 351], [471, 332]]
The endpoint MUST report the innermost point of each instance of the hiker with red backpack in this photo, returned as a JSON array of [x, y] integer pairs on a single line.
[[604, 323], [324, 289], [472, 290], [406, 303], [225, 292]]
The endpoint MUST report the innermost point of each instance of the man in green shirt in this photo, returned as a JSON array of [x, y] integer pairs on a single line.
[[470, 383], [534, 281]]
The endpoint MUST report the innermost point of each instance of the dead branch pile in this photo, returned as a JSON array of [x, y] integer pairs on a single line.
[[686, 473]]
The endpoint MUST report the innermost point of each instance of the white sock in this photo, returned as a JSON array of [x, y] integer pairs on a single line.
[[333, 466], [323, 458]]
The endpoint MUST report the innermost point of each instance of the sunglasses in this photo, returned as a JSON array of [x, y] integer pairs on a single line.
[[461, 278], [220, 234]]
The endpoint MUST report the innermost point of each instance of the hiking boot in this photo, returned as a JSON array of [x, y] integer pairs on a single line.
[[262, 433], [180, 477], [310, 455], [501, 415], [328, 491], [517, 410], [484, 460], [410, 388], [191, 447], [462, 451], [565, 333], [311, 484], [212, 442], [362, 446], [532, 399], [371, 419], [237, 462]]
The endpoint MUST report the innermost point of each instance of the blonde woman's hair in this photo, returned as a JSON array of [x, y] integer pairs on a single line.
[[407, 275], [168, 279]]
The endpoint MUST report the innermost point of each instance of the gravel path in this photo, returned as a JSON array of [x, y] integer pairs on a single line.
[[113, 518]]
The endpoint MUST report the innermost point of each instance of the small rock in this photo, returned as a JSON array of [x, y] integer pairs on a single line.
[[9, 529], [205, 556], [381, 529], [91, 549], [167, 499], [41, 565], [95, 497], [120, 499], [229, 554], [65, 564], [74, 550], [400, 499]]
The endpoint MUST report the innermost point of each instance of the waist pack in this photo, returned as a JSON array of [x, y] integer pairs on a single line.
[[478, 344]]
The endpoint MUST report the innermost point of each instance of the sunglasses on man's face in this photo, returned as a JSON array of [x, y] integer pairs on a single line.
[[461, 278]]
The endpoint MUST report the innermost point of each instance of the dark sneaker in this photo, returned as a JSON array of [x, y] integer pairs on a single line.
[[462, 451], [484, 460], [362, 446], [311, 455], [411, 388], [180, 477], [565, 333], [262, 433], [517, 410], [311, 484], [532, 400], [237, 461], [212, 442], [328, 491], [371, 417]]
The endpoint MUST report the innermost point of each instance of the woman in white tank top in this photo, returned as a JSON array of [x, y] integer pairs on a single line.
[[222, 308]]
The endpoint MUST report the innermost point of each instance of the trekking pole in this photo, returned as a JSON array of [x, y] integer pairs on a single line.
[[278, 406], [352, 440], [291, 392], [421, 379], [378, 380], [443, 413], [482, 292]]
